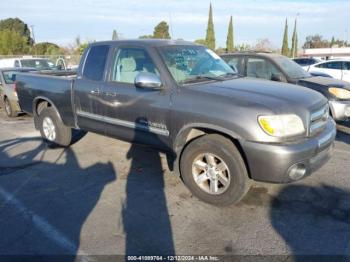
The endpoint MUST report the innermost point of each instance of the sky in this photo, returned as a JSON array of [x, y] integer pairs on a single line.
[[61, 21]]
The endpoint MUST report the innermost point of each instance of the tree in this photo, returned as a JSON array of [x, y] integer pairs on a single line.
[[161, 31], [45, 48], [210, 36], [263, 45], [200, 41], [82, 47], [145, 36], [316, 41], [115, 35], [338, 43], [333, 41], [294, 51], [243, 47], [13, 43], [78, 47], [17, 25], [229, 40], [285, 48]]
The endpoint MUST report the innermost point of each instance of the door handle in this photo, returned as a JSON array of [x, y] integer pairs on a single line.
[[95, 92]]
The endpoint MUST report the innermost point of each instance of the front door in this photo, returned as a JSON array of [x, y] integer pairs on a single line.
[[332, 68], [131, 113]]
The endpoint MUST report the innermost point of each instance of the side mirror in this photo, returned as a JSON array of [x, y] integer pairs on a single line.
[[148, 80], [277, 77]]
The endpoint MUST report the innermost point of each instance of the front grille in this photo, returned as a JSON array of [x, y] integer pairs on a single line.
[[318, 120]]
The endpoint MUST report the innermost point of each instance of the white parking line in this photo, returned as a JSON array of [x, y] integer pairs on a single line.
[[43, 226]]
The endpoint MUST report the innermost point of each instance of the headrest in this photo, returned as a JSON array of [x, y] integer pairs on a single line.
[[128, 64]]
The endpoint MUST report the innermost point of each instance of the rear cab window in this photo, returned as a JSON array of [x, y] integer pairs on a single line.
[[95, 62]]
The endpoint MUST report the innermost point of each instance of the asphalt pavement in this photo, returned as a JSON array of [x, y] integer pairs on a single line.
[[102, 196]]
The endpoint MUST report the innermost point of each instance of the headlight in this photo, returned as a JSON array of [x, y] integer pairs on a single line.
[[339, 92], [281, 125]]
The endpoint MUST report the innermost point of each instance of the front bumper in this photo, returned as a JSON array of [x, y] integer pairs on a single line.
[[276, 162], [340, 109]]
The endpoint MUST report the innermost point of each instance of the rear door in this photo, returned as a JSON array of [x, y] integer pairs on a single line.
[[132, 113], [88, 100]]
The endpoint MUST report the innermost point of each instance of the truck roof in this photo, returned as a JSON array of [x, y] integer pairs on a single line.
[[257, 53], [146, 42]]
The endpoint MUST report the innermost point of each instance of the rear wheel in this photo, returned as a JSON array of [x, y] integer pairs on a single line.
[[10, 112], [52, 130], [213, 169]]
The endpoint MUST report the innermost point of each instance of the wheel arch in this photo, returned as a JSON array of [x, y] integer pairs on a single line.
[[37, 109], [193, 131]]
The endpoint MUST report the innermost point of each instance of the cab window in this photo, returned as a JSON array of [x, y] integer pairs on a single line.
[[236, 63], [129, 62], [261, 68], [95, 62]]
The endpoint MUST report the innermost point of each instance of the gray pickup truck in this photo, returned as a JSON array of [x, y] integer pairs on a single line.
[[221, 130]]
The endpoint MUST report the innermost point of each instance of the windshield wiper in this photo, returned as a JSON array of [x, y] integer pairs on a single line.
[[200, 78], [230, 74]]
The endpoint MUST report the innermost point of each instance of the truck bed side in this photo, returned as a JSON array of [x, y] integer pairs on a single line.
[[56, 90]]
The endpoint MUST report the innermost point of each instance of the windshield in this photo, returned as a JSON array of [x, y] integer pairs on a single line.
[[292, 69], [188, 64], [41, 64]]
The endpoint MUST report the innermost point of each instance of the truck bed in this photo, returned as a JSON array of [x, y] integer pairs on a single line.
[[32, 86]]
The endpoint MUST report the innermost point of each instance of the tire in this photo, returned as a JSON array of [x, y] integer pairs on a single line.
[[52, 130], [10, 112], [222, 160]]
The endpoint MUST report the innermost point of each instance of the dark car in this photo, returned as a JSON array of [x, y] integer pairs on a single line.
[[306, 62], [282, 69], [220, 129]]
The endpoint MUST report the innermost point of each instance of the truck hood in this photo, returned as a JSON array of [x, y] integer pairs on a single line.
[[327, 81], [278, 97]]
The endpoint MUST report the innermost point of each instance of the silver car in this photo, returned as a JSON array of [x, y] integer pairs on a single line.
[[8, 94]]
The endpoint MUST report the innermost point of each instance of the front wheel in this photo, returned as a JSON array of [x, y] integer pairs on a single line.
[[52, 130], [9, 110], [213, 169]]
